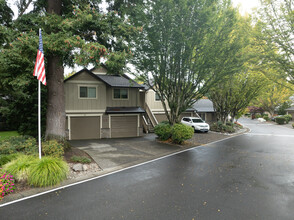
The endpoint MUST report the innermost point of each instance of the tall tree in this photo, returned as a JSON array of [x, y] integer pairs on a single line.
[[275, 23], [272, 97], [234, 93], [73, 32], [185, 47]]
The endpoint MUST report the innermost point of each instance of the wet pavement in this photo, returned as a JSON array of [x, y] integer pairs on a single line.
[[245, 177], [118, 153]]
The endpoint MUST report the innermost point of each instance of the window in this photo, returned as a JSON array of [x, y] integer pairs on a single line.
[[157, 98], [120, 93], [88, 92], [197, 120], [186, 119]]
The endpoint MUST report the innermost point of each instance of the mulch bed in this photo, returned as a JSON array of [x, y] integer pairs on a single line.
[[73, 151]]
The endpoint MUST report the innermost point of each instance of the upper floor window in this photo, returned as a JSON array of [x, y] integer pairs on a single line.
[[120, 93], [157, 97], [88, 92]]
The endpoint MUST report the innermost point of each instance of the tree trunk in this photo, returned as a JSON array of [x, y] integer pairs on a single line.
[[55, 125]]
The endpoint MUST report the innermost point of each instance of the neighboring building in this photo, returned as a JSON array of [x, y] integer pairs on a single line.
[[205, 109], [153, 103], [102, 106], [290, 111]]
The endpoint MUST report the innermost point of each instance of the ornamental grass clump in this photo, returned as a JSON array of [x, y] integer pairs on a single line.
[[47, 171], [6, 158], [6, 183], [19, 166]]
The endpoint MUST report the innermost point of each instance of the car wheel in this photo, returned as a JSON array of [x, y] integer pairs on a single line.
[[194, 129]]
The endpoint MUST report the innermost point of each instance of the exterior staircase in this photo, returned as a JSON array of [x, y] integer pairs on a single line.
[[149, 120]]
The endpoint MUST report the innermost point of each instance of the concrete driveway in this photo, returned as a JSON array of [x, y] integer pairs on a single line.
[[114, 154]]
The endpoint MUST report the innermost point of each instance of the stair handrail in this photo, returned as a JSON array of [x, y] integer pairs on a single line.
[[145, 124], [150, 114]]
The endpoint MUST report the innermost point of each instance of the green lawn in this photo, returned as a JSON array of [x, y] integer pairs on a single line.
[[7, 134]]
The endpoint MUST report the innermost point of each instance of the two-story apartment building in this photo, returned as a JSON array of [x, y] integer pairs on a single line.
[[102, 106], [110, 106]]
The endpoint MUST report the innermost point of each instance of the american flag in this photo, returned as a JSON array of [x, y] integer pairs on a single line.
[[39, 70]]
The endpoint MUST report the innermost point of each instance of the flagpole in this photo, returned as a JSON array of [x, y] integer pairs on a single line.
[[39, 116]]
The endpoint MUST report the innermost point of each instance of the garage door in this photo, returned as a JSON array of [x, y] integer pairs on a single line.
[[85, 128], [124, 126]]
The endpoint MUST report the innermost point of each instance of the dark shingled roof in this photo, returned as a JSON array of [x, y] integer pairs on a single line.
[[118, 81], [111, 80], [204, 105], [125, 110]]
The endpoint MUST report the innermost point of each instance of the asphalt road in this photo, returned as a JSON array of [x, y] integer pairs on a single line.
[[245, 177]]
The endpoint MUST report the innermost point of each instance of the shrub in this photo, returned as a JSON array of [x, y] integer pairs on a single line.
[[52, 148], [220, 127], [30, 146], [181, 132], [48, 171], [19, 166], [12, 145], [288, 118], [229, 123], [258, 115], [77, 159], [6, 148], [265, 117], [6, 183], [293, 125], [163, 131], [229, 129], [6, 158], [281, 120]]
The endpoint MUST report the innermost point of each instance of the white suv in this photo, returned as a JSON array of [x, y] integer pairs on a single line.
[[197, 123]]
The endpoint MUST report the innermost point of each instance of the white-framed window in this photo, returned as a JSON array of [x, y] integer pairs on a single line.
[[87, 92], [157, 98], [120, 93]]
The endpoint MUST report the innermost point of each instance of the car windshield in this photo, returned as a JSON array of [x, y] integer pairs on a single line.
[[197, 120]]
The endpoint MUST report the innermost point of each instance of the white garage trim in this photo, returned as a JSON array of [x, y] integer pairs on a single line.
[[82, 115]]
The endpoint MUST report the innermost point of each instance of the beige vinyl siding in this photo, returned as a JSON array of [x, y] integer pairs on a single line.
[[83, 76], [85, 127], [160, 117], [133, 96], [153, 105], [124, 126], [73, 102]]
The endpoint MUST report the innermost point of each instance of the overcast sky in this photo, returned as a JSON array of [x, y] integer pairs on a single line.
[[246, 5]]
